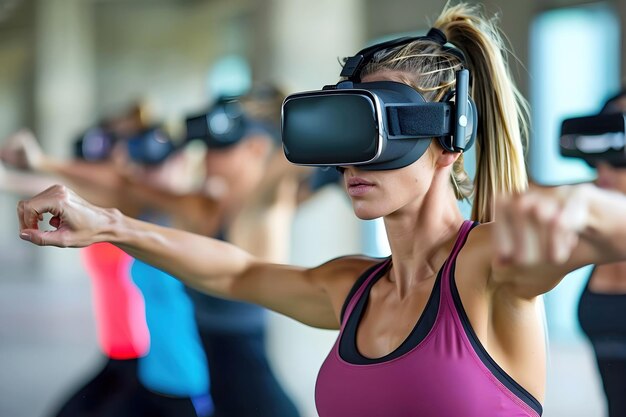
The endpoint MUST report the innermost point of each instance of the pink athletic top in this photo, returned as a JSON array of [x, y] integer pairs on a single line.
[[440, 370], [118, 304]]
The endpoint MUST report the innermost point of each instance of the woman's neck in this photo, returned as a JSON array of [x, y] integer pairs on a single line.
[[417, 232]]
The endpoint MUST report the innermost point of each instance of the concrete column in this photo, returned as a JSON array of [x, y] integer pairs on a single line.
[[63, 96], [308, 38], [64, 58]]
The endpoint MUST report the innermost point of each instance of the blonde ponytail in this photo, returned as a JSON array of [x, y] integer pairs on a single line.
[[502, 121]]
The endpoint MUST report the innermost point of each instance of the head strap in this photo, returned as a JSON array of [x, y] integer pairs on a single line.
[[437, 36], [354, 65]]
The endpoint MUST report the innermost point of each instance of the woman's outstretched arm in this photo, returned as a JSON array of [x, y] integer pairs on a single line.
[[543, 234], [210, 265]]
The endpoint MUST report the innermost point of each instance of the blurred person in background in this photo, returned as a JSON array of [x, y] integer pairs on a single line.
[[173, 374], [602, 305], [248, 197], [256, 188], [170, 376], [119, 311]]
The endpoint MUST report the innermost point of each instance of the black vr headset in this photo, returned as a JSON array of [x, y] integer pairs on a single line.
[[94, 145], [150, 147], [598, 138], [376, 125], [595, 139], [224, 125]]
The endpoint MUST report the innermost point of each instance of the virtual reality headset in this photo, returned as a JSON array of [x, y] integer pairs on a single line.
[[221, 126], [225, 124], [150, 147], [595, 139], [376, 125], [94, 145]]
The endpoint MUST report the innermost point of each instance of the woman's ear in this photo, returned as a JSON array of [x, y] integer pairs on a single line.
[[442, 157], [448, 158]]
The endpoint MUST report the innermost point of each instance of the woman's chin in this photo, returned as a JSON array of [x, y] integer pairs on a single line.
[[366, 213]]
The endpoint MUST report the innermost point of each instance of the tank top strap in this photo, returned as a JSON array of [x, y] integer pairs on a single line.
[[466, 227], [359, 292]]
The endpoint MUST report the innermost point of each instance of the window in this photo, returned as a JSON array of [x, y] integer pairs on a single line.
[[574, 67]]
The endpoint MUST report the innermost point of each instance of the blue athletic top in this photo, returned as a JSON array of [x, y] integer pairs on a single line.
[[176, 364]]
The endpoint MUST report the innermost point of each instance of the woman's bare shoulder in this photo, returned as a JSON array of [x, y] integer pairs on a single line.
[[339, 275], [476, 255], [348, 267]]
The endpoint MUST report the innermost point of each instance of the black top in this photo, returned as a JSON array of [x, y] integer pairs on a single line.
[[214, 314], [603, 319]]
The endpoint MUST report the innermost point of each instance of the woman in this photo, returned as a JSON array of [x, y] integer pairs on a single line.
[[173, 374], [478, 346], [603, 301], [118, 304]]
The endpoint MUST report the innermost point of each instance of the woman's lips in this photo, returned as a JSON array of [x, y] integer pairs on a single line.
[[358, 186]]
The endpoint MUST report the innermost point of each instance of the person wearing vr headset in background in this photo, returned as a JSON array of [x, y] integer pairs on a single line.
[[119, 310], [169, 377], [174, 376], [601, 141], [248, 197], [406, 110], [173, 373]]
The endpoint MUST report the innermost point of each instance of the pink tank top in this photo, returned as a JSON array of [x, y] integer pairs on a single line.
[[118, 303], [440, 370]]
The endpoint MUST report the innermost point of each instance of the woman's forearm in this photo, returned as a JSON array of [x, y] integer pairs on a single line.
[[202, 262], [208, 264]]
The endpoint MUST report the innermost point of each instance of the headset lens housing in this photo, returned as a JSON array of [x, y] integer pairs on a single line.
[[331, 128]]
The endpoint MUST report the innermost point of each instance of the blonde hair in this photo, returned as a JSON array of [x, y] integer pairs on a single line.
[[502, 111]]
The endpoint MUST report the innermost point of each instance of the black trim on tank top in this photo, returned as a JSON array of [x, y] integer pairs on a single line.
[[348, 349], [359, 282], [482, 353]]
